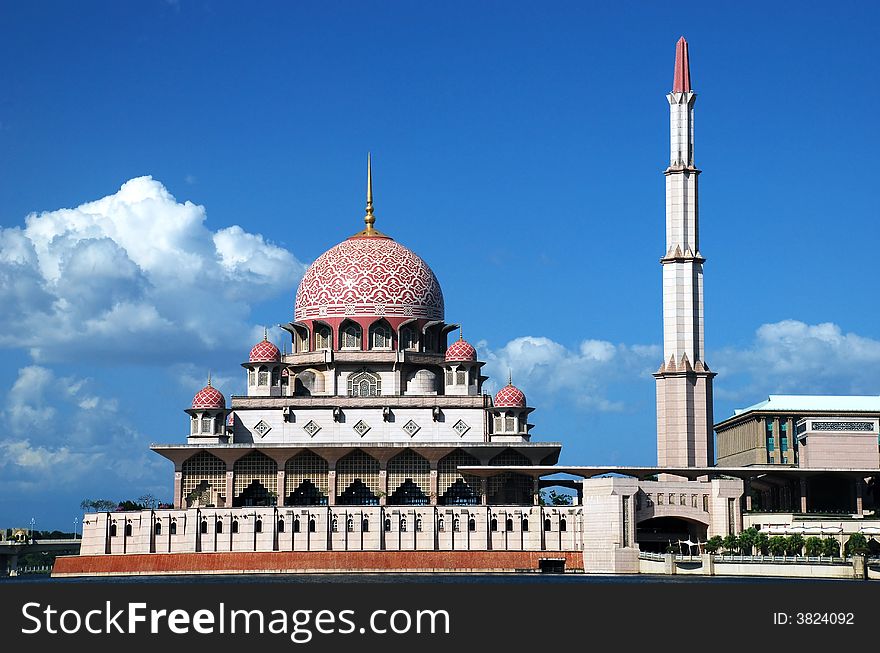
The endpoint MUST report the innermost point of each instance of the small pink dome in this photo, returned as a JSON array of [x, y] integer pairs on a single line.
[[461, 350], [209, 397], [510, 397], [264, 352]]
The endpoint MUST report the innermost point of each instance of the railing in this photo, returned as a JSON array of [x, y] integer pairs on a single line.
[[39, 569], [728, 557]]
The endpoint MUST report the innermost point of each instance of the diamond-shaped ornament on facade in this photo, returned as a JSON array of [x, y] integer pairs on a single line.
[[361, 428], [262, 428], [461, 428], [311, 428], [411, 428]]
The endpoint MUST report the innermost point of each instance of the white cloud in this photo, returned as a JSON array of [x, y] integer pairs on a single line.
[[548, 371], [59, 433], [798, 358], [135, 274]]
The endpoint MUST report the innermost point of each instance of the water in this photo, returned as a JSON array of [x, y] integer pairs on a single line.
[[380, 578]]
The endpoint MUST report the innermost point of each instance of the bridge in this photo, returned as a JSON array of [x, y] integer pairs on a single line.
[[10, 552]]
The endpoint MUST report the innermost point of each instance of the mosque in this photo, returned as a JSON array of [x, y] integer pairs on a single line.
[[372, 444]]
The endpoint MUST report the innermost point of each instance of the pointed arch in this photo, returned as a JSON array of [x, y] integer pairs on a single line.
[[455, 488], [357, 476], [350, 335], [306, 480], [380, 335], [256, 480], [364, 383], [409, 479], [203, 477]]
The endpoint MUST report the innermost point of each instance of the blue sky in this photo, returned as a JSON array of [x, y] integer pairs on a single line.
[[517, 147]]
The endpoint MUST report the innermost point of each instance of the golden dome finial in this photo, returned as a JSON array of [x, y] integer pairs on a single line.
[[369, 218]]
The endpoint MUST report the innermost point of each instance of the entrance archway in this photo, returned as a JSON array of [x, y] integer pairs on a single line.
[[656, 534]]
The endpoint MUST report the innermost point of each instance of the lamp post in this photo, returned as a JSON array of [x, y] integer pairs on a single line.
[[75, 522], [33, 522]]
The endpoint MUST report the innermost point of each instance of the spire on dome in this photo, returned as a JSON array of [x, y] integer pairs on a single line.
[[509, 376], [265, 334], [681, 82], [209, 378], [369, 218], [460, 333]]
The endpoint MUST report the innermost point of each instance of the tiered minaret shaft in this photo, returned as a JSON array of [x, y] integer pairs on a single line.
[[684, 382]]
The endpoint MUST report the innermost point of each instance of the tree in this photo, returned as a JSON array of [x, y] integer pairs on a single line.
[[777, 545], [148, 500], [762, 543], [830, 547], [713, 544], [794, 544], [857, 544], [731, 543], [747, 540], [814, 546], [98, 505]]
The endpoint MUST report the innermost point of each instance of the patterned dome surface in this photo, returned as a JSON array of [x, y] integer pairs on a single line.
[[461, 350], [510, 397], [264, 352], [369, 276], [209, 397]]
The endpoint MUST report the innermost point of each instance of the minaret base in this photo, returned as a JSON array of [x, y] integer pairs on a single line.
[[684, 419]]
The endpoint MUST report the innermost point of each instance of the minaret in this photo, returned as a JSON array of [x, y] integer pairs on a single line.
[[684, 382]]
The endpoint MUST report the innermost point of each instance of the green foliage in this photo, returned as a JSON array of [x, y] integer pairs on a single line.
[[713, 544], [777, 545], [762, 543], [98, 505], [731, 544], [747, 540], [857, 544], [794, 544], [814, 546], [830, 547]]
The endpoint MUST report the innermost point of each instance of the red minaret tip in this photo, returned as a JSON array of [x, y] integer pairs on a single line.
[[681, 83]]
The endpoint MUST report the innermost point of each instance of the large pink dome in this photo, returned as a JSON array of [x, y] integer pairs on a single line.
[[209, 397], [510, 397], [367, 276]]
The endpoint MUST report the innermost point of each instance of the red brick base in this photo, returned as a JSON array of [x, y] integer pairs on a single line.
[[313, 561]]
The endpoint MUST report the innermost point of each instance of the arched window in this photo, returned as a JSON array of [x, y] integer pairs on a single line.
[[157, 529], [311, 526], [508, 422], [380, 336], [334, 525], [219, 526], [172, 529], [349, 524], [418, 524], [194, 425], [387, 525], [351, 336], [508, 525], [296, 525], [280, 525], [525, 524], [456, 524], [263, 376], [365, 525], [128, 530], [112, 530], [460, 377], [234, 526], [258, 526], [408, 339], [441, 525], [472, 524], [323, 338], [403, 524], [547, 524], [450, 375], [204, 527], [206, 424], [494, 524], [364, 384], [563, 525]]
